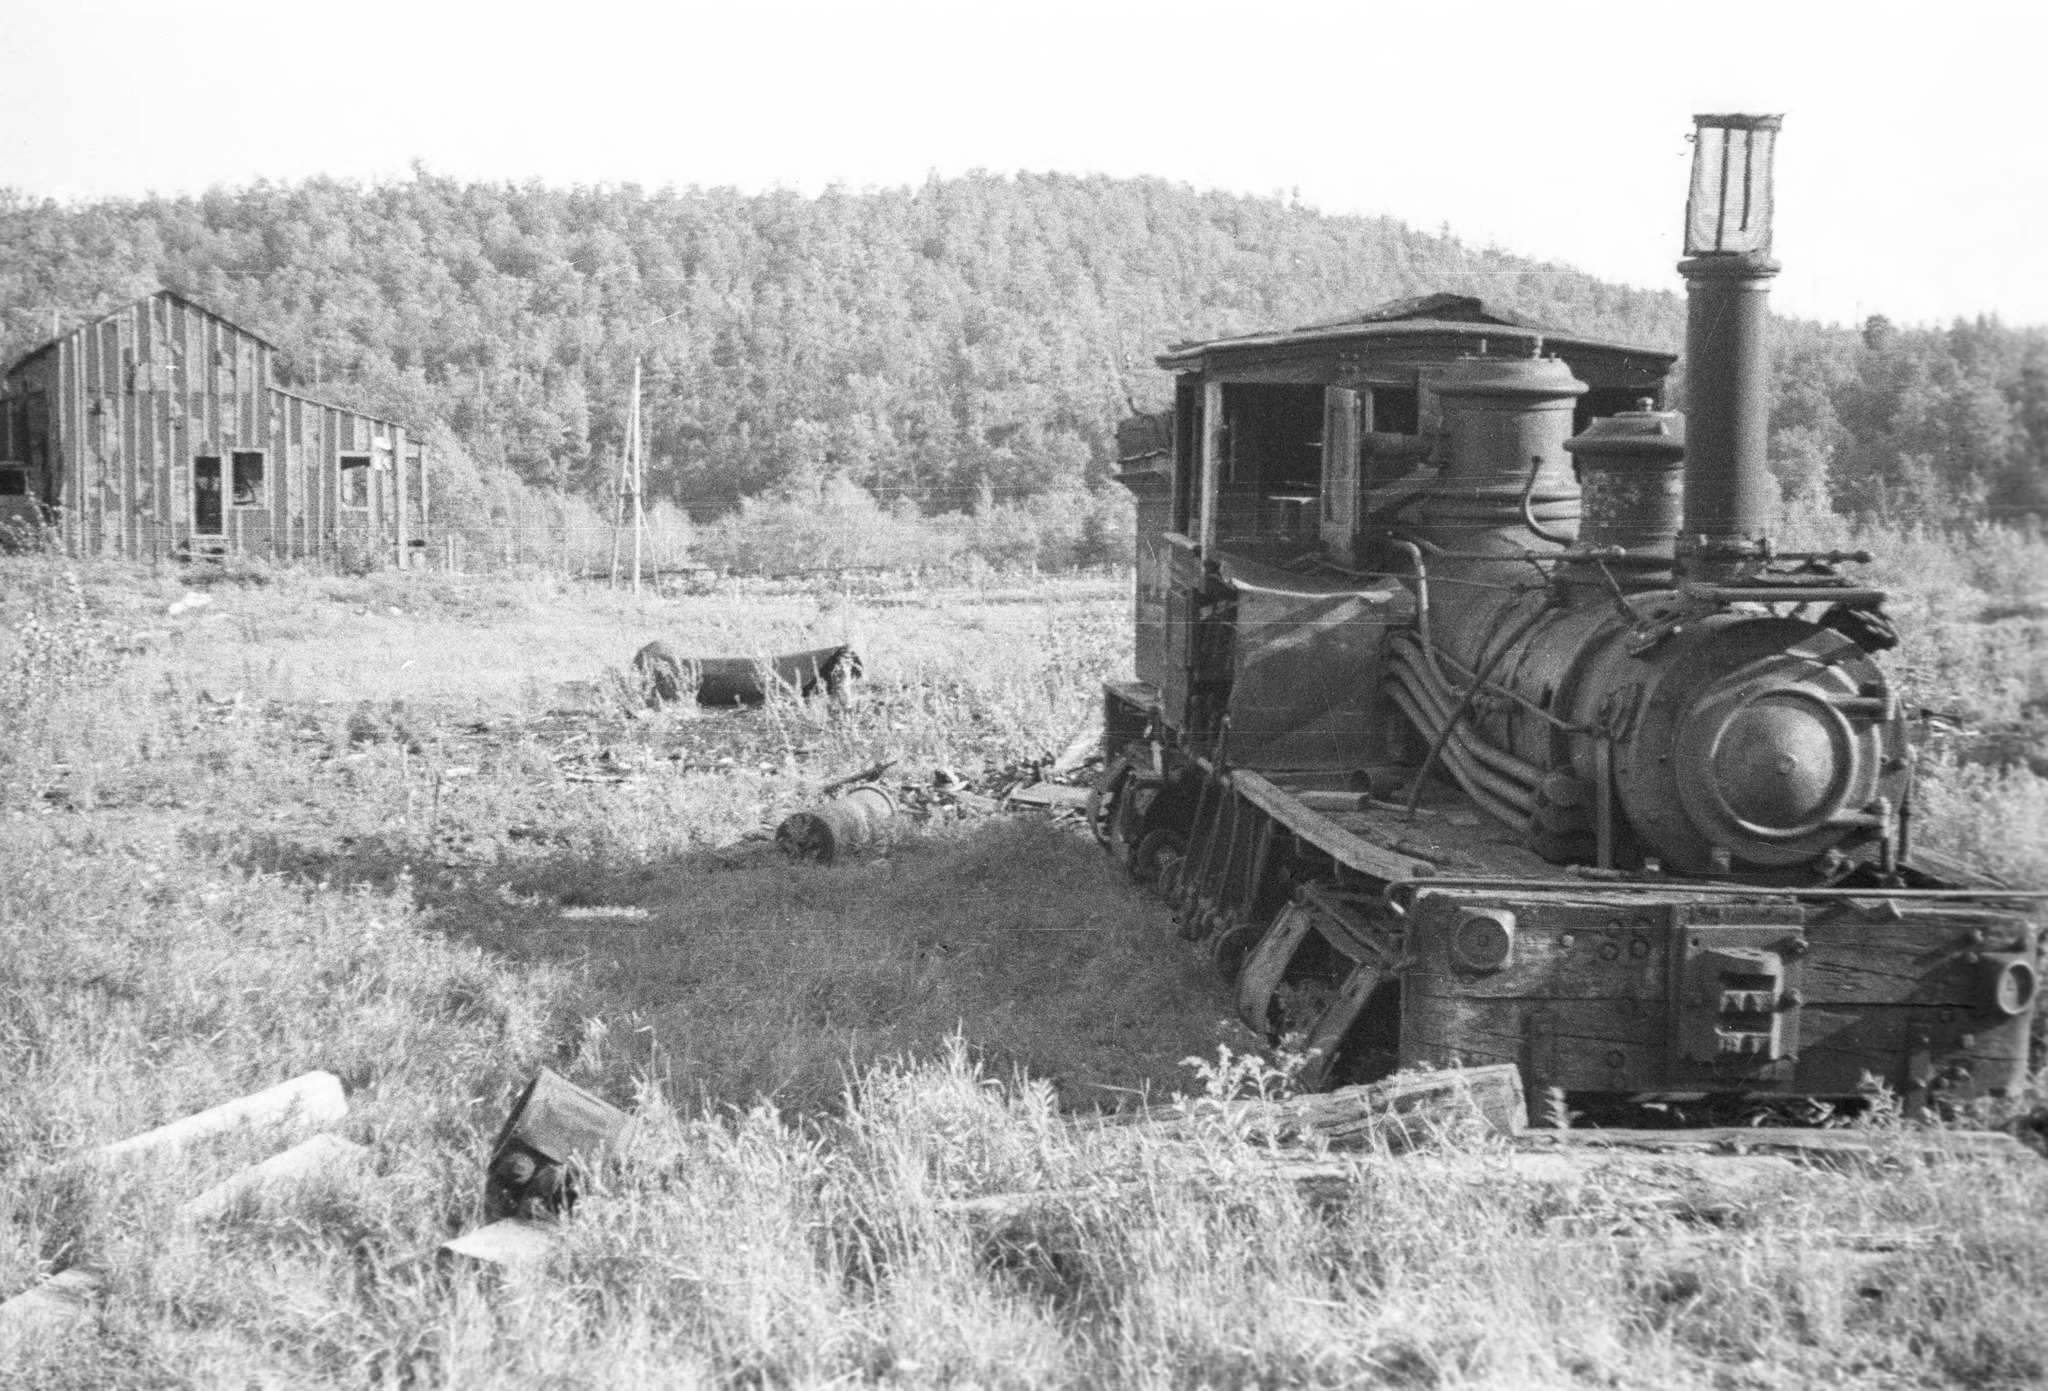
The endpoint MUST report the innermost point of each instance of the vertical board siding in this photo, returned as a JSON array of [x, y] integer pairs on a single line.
[[134, 396]]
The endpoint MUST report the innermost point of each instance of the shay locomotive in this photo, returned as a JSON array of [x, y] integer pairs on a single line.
[[1478, 719]]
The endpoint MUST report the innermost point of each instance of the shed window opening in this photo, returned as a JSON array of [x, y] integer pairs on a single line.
[[13, 480], [248, 477], [1272, 476], [355, 480]]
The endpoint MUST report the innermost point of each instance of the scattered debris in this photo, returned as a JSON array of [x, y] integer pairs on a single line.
[[188, 603], [1051, 794], [1085, 744], [63, 1300], [862, 819], [1397, 1113], [510, 1241], [670, 678], [1651, 1177], [554, 1125], [864, 775]]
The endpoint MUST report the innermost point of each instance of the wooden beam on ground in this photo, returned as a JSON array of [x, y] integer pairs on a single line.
[[1620, 1188], [321, 1154], [54, 1305], [1051, 795], [46, 1310], [312, 1100], [1400, 1112], [1794, 1141]]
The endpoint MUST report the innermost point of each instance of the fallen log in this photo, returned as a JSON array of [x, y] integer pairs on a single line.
[[312, 1100], [1400, 1112]]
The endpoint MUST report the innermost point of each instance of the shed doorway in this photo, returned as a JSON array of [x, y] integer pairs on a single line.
[[206, 499]]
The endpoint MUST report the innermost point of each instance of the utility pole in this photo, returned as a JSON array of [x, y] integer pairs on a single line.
[[639, 461], [631, 475], [619, 498]]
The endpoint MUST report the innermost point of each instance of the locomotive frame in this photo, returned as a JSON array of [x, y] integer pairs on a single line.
[[1477, 719]]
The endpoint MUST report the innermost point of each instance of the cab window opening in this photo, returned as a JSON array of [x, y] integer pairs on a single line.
[[1269, 486]]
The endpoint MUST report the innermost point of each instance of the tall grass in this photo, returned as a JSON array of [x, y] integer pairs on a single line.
[[294, 829]]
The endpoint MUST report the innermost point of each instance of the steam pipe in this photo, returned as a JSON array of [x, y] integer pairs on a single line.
[[1536, 528], [1441, 701], [1459, 768]]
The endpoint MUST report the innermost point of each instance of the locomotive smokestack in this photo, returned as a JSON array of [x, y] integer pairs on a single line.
[[1728, 270]]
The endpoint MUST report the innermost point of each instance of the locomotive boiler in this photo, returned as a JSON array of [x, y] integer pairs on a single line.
[[1479, 719]]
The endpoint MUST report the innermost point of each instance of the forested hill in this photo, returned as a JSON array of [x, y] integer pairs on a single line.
[[969, 338]]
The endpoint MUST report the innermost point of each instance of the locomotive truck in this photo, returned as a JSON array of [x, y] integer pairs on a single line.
[[1478, 718]]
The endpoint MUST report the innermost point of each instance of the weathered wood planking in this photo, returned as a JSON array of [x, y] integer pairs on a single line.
[[313, 1099], [128, 402]]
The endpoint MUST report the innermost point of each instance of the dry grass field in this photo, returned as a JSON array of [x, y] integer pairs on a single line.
[[411, 829]]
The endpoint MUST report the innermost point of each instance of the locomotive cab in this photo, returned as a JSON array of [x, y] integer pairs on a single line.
[[1477, 718], [1263, 509]]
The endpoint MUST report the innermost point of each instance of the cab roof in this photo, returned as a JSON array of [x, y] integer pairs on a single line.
[[1452, 320]]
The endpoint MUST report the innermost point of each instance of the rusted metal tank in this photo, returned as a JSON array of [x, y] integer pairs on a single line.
[[861, 820]]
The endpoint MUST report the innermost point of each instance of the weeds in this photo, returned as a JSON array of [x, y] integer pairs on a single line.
[[293, 828]]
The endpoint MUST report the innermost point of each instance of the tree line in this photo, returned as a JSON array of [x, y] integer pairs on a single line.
[[942, 348]]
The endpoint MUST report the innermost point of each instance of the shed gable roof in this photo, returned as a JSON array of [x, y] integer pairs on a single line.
[[169, 295]]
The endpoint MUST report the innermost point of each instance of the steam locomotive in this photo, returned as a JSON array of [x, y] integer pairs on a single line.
[[1478, 719]]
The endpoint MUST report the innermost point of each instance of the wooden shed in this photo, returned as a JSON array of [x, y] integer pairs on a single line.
[[156, 431]]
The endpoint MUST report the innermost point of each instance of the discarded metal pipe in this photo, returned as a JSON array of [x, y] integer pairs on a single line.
[[863, 819]]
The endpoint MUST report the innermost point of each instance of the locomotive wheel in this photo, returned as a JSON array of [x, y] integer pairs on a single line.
[[1230, 947], [1158, 854]]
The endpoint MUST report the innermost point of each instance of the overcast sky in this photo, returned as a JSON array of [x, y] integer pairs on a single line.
[[1912, 175]]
